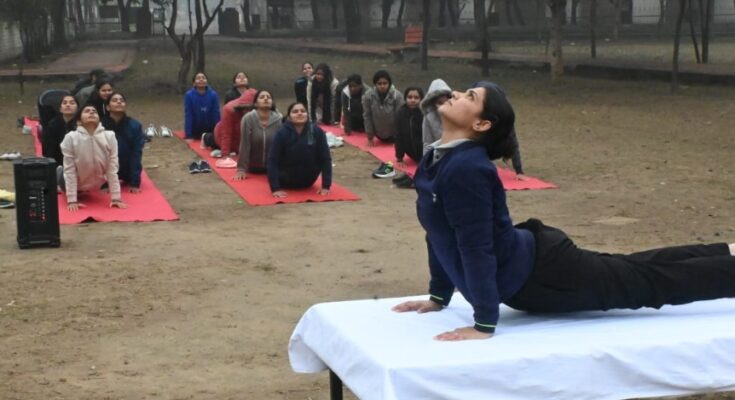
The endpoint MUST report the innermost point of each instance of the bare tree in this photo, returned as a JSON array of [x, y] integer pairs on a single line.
[[245, 7], [353, 21], [58, 9], [335, 20], [677, 36], [399, 18], [662, 4], [692, 31], [426, 17], [33, 19], [708, 11], [573, 20], [593, 26], [617, 4], [484, 48], [187, 45], [385, 7], [557, 59], [315, 14]]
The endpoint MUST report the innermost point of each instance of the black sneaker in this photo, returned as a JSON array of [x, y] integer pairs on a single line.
[[385, 170], [204, 167], [404, 182], [194, 168], [6, 204]]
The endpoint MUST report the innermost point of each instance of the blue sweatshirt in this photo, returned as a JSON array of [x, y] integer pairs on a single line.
[[301, 156], [472, 243], [130, 143], [201, 112]]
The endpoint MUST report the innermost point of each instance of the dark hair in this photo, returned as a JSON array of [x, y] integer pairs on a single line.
[[353, 78], [97, 73], [113, 94], [234, 76], [498, 140], [412, 89], [381, 73], [65, 96], [273, 100], [102, 82], [324, 88], [307, 62], [95, 99], [194, 77], [290, 107], [78, 115]]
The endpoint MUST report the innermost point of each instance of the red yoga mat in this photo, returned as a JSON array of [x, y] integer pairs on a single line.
[[148, 205], [255, 188], [386, 152]]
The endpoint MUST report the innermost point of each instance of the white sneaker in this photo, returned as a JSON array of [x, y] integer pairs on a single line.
[[216, 153], [202, 144], [166, 132], [150, 132], [14, 155]]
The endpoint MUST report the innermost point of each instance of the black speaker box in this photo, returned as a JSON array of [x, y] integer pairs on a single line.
[[36, 202]]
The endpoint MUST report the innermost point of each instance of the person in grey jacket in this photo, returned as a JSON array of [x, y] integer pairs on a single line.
[[257, 130], [438, 93], [380, 105]]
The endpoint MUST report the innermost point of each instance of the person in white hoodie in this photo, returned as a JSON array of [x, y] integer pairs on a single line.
[[438, 93], [90, 160]]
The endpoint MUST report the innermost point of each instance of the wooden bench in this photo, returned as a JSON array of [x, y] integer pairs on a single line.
[[413, 36]]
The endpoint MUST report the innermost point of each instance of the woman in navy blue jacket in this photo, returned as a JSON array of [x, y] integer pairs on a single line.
[[130, 140], [474, 247], [299, 154], [201, 108]]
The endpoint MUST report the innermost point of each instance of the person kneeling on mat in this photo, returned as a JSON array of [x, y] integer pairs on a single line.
[[299, 154], [90, 160]]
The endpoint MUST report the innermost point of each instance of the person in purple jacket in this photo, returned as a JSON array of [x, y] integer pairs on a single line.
[[474, 247], [201, 108]]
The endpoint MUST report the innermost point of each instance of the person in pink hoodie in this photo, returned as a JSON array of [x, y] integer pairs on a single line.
[[226, 138]]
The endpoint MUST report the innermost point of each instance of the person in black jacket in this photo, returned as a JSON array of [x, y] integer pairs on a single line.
[[408, 125], [58, 127], [351, 103], [130, 140], [299, 86], [299, 154], [102, 91]]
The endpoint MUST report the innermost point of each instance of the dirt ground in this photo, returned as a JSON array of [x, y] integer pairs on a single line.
[[203, 308]]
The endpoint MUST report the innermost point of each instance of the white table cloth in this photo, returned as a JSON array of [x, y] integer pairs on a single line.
[[380, 354]]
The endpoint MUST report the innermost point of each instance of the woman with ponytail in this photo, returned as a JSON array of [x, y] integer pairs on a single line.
[[474, 247]]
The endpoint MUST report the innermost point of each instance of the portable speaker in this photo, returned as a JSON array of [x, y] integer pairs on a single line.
[[36, 202]]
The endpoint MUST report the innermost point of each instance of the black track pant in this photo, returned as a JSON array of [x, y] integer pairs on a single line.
[[567, 278]]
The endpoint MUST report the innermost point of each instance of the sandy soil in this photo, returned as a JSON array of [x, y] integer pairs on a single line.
[[203, 308]]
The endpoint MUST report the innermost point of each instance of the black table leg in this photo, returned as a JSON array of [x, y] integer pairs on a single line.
[[335, 386]]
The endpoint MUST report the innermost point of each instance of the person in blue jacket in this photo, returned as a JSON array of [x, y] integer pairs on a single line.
[[130, 140], [201, 108], [299, 154], [474, 247]]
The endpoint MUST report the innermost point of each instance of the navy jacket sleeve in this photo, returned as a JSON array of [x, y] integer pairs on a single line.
[[188, 116], [441, 287], [136, 156], [274, 156], [468, 206], [325, 157]]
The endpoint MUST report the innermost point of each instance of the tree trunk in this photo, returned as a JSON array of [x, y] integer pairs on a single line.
[[315, 15], [353, 21], [483, 40], [557, 59], [540, 17], [58, 8], [692, 32], [453, 7], [123, 10], [677, 36], [442, 16], [616, 23], [246, 15], [479, 11], [399, 18], [425, 37], [385, 7], [335, 20], [593, 26], [79, 17], [661, 14], [706, 30], [575, 3], [200, 63]]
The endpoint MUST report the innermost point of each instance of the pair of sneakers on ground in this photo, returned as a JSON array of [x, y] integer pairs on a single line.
[[201, 166], [400, 180], [151, 132], [10, 156]]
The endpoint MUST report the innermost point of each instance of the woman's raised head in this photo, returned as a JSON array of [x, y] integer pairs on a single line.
[[240, 79], [117, 103], [200, 79], [68, 105], [264, 99], [87, 115]]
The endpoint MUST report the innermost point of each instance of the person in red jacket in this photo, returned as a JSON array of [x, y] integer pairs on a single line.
[[226, 138]]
